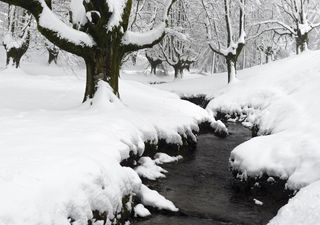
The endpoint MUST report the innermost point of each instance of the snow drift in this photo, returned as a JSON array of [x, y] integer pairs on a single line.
[[279, 99], [60, 160]]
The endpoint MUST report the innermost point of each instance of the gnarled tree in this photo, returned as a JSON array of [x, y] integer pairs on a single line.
[[99, 35]]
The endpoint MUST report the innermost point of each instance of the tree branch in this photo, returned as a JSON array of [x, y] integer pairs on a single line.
[[54, 29]]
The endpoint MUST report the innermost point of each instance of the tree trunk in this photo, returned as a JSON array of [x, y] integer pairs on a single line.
[[231, 65], [178, 72], [302, 43], [102, 66], [53, 55], [154, 69]]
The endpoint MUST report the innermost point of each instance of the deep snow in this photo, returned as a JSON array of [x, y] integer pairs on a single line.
[[60, 159], [281, 99]]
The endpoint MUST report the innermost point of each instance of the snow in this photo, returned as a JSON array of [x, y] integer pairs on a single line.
[[154, 199], [162, 158], [148, 169], [60, 159], [145, 38], [280, 99], [141, 211], [192, 85], [78, 12], [257, 202], [50, 21], [302, 209]]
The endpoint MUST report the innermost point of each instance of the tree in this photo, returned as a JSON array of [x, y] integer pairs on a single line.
[[99, 35], [154, 62], [16, 41], [233, 46], [296, 18]]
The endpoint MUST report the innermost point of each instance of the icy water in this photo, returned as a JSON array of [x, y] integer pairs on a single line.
[[202, 187]]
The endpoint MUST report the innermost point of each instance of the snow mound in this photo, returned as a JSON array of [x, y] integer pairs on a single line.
[[148, 169], [162, 158], [302, 209], [154, 199], [60, 159], [141, 211], [279, 100]]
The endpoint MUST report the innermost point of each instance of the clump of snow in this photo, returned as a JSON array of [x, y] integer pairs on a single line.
[[78, 13], [145, 38], [257, 202], [148, 169], [154, 199], [141, 211], [162, 158]]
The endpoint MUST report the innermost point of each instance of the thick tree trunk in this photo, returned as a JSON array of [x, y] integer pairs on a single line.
[[231, 66], [102, 67]]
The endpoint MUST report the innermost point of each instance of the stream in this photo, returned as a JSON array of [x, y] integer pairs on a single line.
[[203, 188]]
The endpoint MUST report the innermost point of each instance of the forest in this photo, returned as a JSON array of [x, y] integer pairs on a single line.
[[181, 112]]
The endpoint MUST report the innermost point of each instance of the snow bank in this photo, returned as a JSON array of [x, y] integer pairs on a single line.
[[279, 98], [302, 209], [60, 161]]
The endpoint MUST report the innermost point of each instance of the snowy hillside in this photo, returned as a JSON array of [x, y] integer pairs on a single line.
[[281, 100], [60, 160]]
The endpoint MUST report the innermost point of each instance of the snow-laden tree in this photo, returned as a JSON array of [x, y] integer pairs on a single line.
[[154, 61], [296, 18], [17, 38], [226, 38], [100, 34], [177, 48]]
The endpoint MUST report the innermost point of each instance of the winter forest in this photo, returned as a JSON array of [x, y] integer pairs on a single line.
[[159, 112]]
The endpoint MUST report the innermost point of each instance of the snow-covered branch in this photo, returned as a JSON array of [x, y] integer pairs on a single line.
[[133, 41], [54, 29]]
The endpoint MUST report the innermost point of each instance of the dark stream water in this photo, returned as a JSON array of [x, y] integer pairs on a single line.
[[203, 188]]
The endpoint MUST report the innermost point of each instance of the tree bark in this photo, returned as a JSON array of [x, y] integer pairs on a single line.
[[231, 66]]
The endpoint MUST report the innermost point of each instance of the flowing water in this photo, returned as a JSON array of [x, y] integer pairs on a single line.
[[204, 190]]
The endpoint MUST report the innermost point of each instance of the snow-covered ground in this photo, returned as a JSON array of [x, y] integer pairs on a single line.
[[281, 99], [191, 85], [60, 159]]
